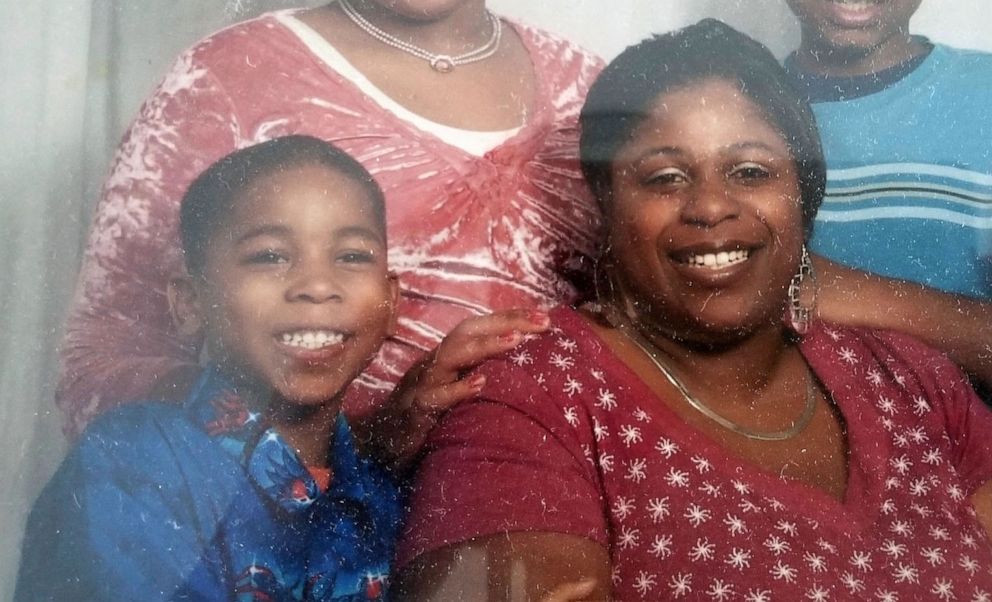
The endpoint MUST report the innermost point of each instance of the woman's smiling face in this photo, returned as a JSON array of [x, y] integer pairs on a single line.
[[705, 222]]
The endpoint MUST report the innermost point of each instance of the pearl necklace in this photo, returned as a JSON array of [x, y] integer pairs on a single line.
[[645, 345], [442, 63]]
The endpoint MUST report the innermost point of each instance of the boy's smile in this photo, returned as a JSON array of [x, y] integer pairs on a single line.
[[295, 295]]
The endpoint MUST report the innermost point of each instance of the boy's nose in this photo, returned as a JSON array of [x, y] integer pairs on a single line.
[[314, 286]]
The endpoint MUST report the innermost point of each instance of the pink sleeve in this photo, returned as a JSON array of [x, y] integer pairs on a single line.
[[119, 339], [969, 426], [506, 462]]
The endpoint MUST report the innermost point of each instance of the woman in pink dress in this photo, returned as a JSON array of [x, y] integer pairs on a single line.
[[467, 121], [699, 433]]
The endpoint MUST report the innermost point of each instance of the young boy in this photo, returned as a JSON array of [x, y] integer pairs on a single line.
[[252, 489], [907, 134]]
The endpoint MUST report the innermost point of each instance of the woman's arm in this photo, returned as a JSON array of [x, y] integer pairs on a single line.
[[510, 567], [959, 326]]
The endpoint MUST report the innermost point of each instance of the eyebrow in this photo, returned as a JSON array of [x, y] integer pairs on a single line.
[[360, 231], [263, 230], [754, 144]]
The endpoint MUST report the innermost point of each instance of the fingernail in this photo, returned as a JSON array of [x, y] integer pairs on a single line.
[[510, 338], [538, 318], [477, 381]]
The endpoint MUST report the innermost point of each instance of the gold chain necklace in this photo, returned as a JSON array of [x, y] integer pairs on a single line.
[[645, 345]]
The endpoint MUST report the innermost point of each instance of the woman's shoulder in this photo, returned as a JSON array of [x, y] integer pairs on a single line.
[[265, 36], [558, 58]]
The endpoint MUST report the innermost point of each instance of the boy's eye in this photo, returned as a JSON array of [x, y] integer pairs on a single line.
[[267, 256], [667, 176], [750, 172], [356, 256]]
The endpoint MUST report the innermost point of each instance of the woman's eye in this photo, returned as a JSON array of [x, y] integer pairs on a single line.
[[750, 172], [668, 176], [268, 256]]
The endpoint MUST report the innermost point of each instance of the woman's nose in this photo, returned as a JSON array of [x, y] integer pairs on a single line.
[[314, 284], [710, 203]]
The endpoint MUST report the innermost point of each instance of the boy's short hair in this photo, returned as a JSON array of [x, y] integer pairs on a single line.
[[210, 197], [623, 93]]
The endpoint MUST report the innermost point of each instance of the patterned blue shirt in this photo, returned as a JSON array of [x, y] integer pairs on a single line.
[[205, 502]]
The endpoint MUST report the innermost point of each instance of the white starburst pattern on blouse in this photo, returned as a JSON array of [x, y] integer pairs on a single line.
[[826, 546], [720, 591], [901, 464], [658, 507], [758, 595], [933, 457], [892, 483], [702, 464], [901, 527], [906, 573], [969, 564], [606, 462], [861, 561], [873, 376], [787, 527], [922, 511], [606, 400], [522, 358], [847, 355], [893, 549], [677, 478], [641, 416], [572, 416], [630, 434], [710, 489], [934, 556], [696, 514], [816, 563], [943, 589], [598, 375], [571, 386], [852, 583], [662, 546], [777, 546], [887, 405], [739, 559], [900, 439], [776, 505], [940, 533], [782, 571], [833, 334], [748, 506], [637, 470], [629, 537], [623, 507], [735, 525], [981, 596], [615, 576], [886, 596], [667, 447], [920, 405], [703, 550], [599, 431], [917, 435], [956, 493], [741, 487], [899, 378], [888, 423], [539, 379], [817, 594], [645, 582], [562, 362], [680, 585], [919, 486], [567, 344]]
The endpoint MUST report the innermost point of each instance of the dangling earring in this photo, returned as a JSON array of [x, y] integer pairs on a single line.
[[800, 314]]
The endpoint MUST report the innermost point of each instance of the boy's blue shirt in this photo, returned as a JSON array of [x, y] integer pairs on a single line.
[[204, 502]]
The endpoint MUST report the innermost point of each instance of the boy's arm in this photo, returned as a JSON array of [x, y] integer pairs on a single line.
[[959, 326]]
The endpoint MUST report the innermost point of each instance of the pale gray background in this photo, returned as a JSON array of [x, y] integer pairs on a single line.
[[72, 74]]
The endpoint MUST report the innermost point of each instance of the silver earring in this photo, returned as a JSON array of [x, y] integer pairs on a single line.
[[799, 314]]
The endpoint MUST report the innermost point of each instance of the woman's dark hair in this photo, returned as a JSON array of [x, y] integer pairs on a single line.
[[211, 196], [620, 98]]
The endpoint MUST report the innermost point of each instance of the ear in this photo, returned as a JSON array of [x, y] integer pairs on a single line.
[[184, 308], [394, 302]]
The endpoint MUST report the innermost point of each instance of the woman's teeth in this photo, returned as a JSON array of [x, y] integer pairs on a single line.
[[718, 260], [312, 339]]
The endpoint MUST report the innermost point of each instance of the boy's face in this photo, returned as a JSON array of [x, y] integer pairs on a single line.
[[295, 295], [846, 25]]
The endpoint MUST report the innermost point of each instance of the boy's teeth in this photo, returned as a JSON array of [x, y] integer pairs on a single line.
[[718, 260], [312, 339]]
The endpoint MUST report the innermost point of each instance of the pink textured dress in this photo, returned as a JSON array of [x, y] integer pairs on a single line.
[[468, 234]]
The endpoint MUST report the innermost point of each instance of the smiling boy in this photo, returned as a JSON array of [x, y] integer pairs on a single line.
[[252, 489], [906, 127]]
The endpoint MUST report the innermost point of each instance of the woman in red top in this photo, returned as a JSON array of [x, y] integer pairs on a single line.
[[680, 439]]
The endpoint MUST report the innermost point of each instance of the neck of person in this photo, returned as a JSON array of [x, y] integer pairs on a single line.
[[820, 58], [309, 430], [463, 28]]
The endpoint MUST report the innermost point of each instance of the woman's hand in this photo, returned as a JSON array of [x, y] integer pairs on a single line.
[[444, 378]]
